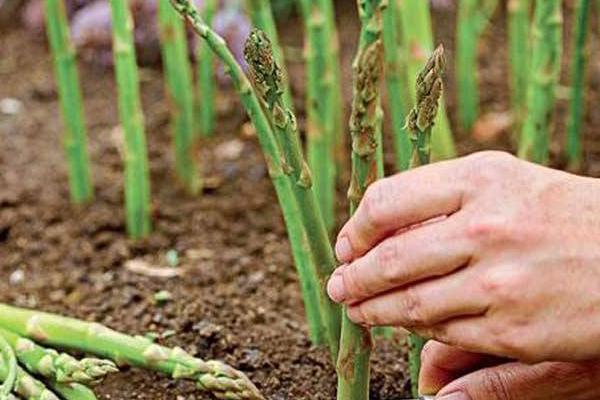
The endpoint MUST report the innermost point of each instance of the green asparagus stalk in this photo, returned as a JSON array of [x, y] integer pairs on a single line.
[[72, 391], [59, 367], [213, 376], [321, 102], [418, 41], [578, 65], [320, 247], [420, 121], [8, 374], [137, 177], [545, 70], [261, 15], [397, 87], [473, 18], [365, 123], [207, 84], [67, 78], [519, 43], [179, 87], [27, 386]]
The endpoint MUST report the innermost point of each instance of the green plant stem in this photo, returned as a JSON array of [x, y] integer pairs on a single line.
[[578, 65], [473, 18], [321, 250], [72, 391], [418, 42], [321, 101], [365, 126], [397, 84], [59, 367], [26, 386], [544, 74], [207, 84], [262, 17], [519, 44], [137, 176], [67, 78], [8, 361], [176, 64], [420, 121], [213, 376]]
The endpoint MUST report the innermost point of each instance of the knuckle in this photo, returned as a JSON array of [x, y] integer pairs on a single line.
[[503, 284], [412, 306], [372, 203], [491, 230], [353, 282], [495, 385], [428, 353], [488, 166], [387, 254]]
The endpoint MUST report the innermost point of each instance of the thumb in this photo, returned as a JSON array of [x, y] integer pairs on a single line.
[[515, 381]]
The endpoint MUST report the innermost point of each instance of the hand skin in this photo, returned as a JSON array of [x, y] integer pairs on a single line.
[[488, 253], [455, 374]]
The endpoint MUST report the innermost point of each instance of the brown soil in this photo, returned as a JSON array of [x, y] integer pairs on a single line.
[[238, 300]]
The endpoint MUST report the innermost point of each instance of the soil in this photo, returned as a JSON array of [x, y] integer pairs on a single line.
[[237, 299]]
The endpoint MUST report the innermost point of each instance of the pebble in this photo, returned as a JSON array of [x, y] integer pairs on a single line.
[[16, 277], [10, 106]]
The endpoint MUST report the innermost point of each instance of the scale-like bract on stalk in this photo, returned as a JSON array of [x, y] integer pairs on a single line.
[[365, 127], [215, 377], [180, 89], [321, 102], [206, 77], [543, 79], [137, 176], [473, 17], [578, 65], [316, 236], [418, 42], [420, 121], [67, 79], [519, 45]]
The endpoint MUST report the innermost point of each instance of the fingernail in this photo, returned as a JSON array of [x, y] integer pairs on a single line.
[[343, 249], [455, 396], [335, 287]]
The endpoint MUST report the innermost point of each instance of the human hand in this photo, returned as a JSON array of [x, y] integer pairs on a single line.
[[512, 267], [455, 374]]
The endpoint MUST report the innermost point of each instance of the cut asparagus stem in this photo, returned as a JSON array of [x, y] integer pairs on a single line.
[[578, 66], [519, 43], [137, 178], [365, 126], [179, 88], [67, 78], [59, 367], [221, 380], [321, 249], [8, 360], [207, 84], [545, 70], [420, 121], [72, 391], [27, 386]]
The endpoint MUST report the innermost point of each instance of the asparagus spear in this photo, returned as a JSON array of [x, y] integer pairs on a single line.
[[320, 248], [420, 122], [473, 17], [213, 376], [578, 65], [59, 367], [72, 391], [207, 87], [355, 344], [8, 361], [137, 179], [65, 66], [519, 44], [179, 86], [27, 386]]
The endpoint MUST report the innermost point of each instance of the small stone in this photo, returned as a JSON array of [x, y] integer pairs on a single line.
[[172, 258], [10, 106], [17, 277]]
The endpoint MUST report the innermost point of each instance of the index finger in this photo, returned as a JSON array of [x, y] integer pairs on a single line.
[[398, 202]]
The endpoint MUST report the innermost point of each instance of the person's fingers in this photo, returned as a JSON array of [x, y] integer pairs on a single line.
[[424, 304], [515, 381], [400, 201], [433, 249], [442, 364]]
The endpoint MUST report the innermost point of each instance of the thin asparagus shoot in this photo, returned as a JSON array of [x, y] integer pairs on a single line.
[[26, 386], [545, 71], [174, 51], [207, 84], [420, 122], [72, 391], [519, 45], [8, 362], [67, 78], [473, 18], [365, 124], [215, 377], [321, 249], [578, 65], [137, 177]]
